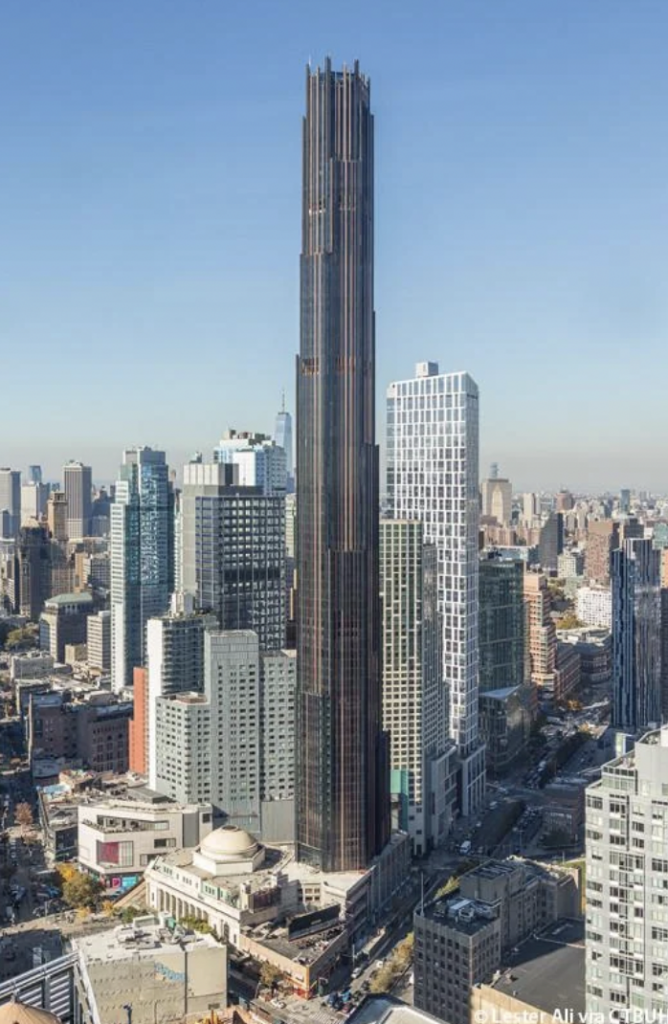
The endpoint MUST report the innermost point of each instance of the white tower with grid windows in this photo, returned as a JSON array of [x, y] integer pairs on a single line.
[[432, 476]]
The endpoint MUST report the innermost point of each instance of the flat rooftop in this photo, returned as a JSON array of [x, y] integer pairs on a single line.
[[496, 869], [273, 865], [278, 860], [549, 972], [344, 881], [530, 869], [375, 1009], [448, 914], [62, 599], [145, 937], [303, 950]]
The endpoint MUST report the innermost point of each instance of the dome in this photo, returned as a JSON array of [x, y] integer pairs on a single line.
[[228, 843], [16, 1012]]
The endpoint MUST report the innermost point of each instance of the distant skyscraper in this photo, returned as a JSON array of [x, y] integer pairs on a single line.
[[530, 508], [33, 570], [636, 636], [423, 759], [602, 539], [497, 498], [100, 514], [625, 501], [564, 501], [33, 501], [10, 503], [56, 514], [35, 474], [432, 476], [260, 461], [342, 804], [551, 542], [283, 438], [142, 557], [233, 544], [78, 487]]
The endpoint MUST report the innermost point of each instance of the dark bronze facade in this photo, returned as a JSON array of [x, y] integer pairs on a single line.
[[342, 768]]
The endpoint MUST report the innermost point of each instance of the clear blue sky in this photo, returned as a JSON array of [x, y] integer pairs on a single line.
[[150, 204]]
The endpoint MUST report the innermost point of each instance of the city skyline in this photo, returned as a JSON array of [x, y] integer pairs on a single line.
[[333, 706], [531, 259]]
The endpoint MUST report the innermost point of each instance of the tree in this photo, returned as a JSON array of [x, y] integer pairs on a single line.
[[450, 886], [81, 890], [270, 975], [23, 815], [18, 638], [66, 872], [397, 965], [569, 621], [197, 924], [129, 913], [385, 978]]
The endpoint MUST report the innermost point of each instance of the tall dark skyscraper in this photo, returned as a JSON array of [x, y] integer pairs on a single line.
[[636, 635], [342, 767], [551, 543]]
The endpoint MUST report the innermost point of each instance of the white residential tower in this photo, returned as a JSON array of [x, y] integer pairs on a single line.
[[432, 476]]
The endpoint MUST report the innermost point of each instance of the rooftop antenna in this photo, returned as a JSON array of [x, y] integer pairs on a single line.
[[283, 400]]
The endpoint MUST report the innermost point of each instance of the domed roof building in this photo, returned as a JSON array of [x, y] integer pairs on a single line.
[[229, 850], [231, 880], [16, 1012]]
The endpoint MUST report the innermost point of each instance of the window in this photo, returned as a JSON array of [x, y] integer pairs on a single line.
[[119, 854]]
